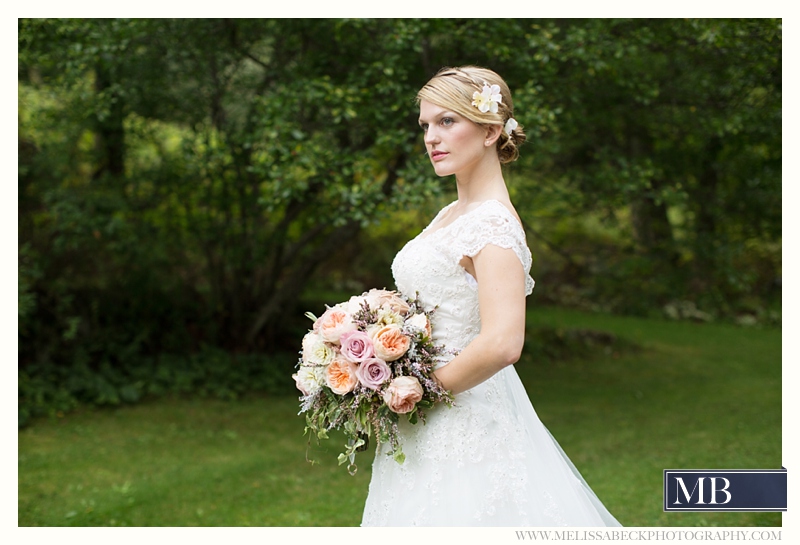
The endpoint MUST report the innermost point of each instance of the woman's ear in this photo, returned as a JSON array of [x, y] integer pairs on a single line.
[[492, 134]]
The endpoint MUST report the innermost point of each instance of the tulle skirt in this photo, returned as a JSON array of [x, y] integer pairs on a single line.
[[488, 461]]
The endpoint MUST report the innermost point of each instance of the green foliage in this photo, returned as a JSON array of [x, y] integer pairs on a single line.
[[180, 181], [183, 182], [49, 390], [669, 133], [27, 274], [552, 344]]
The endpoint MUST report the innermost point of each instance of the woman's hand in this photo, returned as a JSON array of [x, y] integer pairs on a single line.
[[501, 296]]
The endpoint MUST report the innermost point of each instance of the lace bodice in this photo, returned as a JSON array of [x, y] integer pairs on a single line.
[[429, 265]]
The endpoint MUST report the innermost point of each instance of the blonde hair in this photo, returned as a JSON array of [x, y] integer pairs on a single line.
[[452, 88]]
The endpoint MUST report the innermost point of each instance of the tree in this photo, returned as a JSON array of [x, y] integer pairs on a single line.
[[669, 130], [227, 159], [182, 180]]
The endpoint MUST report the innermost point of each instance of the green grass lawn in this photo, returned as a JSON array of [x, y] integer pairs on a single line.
[[695, 396]]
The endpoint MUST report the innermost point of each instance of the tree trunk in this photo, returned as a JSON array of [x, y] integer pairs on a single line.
[[651, 226], [705, 199], [110, 129]]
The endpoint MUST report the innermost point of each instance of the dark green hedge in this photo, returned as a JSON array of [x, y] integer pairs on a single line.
[[49, 389]]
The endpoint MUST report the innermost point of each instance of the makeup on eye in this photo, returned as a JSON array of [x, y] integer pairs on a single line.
[[446, 119]]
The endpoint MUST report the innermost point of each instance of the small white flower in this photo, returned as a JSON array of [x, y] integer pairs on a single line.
[[488, 99], [511, 124], [387, 316]]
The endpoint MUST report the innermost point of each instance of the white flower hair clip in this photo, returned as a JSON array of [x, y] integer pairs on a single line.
[[511, 124], [488, 99]]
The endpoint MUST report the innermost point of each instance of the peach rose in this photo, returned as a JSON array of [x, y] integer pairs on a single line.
[[333, 324], [403, 394], [389, 342], [387, 299], [341, 376]]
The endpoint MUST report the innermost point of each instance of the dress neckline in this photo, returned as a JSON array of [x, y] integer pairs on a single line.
[[426, 234]]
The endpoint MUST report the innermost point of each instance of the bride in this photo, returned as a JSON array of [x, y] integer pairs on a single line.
[[487, 461]]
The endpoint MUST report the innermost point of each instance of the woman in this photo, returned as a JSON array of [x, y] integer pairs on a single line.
[[487, 461]]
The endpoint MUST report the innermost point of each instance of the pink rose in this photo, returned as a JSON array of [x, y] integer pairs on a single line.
[[356, 346], [389, 342], [403, 394], [333, 324], [373, 372], [341, 376]]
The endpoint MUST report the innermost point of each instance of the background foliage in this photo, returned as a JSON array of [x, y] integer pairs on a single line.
[[188, 188]]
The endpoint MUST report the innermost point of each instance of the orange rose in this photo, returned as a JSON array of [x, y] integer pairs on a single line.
[[341, 376], [389, 342]]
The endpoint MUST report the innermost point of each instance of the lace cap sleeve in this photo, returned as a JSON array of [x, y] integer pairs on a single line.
[[493, 223]]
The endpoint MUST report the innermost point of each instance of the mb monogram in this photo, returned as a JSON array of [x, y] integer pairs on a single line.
[[699, 487], [725, 489]]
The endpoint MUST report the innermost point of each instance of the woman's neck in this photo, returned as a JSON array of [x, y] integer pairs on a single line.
[[481, 183]]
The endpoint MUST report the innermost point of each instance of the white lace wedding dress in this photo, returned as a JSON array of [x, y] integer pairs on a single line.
[[487, 461]]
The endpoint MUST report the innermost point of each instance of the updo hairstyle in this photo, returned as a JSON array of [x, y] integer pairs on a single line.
[[452, 88]]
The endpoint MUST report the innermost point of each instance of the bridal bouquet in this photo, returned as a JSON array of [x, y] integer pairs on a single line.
[[366, 363]]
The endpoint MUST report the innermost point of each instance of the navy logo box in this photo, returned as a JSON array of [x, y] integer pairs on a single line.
[[725, 489]]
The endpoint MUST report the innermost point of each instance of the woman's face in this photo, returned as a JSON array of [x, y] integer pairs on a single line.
[[455, 144]]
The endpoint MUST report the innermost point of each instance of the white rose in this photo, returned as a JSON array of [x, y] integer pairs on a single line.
[[421, 322], [309, 379], [315, 351], [354, 304]]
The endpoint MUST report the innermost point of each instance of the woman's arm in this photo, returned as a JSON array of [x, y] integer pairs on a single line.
[[501, 296]]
